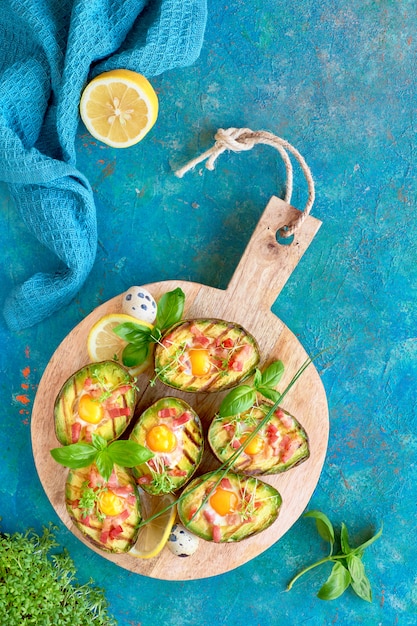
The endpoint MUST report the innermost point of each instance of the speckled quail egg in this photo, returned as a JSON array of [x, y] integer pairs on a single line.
[[181, 542], [139, 303]]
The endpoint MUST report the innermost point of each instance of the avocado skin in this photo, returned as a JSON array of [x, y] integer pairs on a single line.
[[92, 533], [192, 440], [193, 496], [219, 443], [221, 379], [70, 390]]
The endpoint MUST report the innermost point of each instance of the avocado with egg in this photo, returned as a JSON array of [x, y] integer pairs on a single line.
[[205, 355], [228, 508], [100, 398], [280, 444], [172, 431], [107, 513]]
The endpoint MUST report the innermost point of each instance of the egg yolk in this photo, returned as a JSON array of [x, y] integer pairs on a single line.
[[255, 446], [90, 409], [161, 439], [224, 501], [110, 504], [200, 361]]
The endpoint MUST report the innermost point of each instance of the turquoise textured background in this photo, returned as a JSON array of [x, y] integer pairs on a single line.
[[337, 80]]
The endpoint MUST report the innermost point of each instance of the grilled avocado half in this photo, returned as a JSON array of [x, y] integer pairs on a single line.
[[172, 430], [106, 513], [100, 398], [228, 509], [282, 443], [205, 355]]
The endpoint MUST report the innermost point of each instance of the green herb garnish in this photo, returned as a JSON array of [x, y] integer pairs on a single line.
[[139, 337], [348, 568], [125, 453], [242, 398]]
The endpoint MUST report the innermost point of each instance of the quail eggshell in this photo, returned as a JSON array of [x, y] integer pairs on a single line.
[[181, 542], [139, 303]]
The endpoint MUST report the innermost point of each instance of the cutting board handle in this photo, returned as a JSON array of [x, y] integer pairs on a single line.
[[267, 264]]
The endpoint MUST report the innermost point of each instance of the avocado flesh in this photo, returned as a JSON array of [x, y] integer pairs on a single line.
[[104, 533], [168, 472], [107, 376], [259, 506], [233, 355], [285, 442]]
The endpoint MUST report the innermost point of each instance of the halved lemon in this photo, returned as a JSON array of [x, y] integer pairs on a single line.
[[103, 344], [154, 535], [119, 107]]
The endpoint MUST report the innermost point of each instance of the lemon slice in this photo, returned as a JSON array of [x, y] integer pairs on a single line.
[[119, 107], [103, 344], [154, 535]]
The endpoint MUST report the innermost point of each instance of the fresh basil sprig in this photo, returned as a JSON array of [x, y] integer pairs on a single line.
[[348, 568], [242, 398], [125, 453], [169, 311]]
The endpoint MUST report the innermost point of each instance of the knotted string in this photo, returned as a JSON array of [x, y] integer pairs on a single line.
[[240, 139]]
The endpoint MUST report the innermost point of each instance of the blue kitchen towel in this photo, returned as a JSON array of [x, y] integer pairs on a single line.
[[49, 50]]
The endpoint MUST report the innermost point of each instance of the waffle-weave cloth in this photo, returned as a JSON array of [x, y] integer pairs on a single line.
[[50, 49]]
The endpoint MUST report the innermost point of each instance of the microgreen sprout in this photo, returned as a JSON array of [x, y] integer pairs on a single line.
[[89, 499]]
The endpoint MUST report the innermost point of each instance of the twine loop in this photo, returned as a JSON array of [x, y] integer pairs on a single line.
[[242, 139]]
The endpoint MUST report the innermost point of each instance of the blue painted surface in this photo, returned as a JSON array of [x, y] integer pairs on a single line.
[[338, 81]]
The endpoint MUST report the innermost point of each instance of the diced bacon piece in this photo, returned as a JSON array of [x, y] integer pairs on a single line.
[[286, 420], [95, 392], [225, 483], [123, 515], [123, 490], [88, 382], [104, 537], [279, 413], [121, 390], [88, 433], [228, 343], [229, 428], [167, 340], [233, 519], [119, 411], [146, 479], [237, 360], [192, 512], [209, 515], [167, 412], [181, 420], [86, 521], [75, 432], [113, 482], [94, 479], [115, 532], [131, 500], [177, 472], [217, 533], [290, 449], [235, 443]]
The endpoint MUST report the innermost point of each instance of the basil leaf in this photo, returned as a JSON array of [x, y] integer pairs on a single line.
[[355, 567], [258, 378], [135, 355], [104, 464], [170, 308], [75, 455], [98, 441], [238, 400], [273, 374], [362, 588], [324, 526], [271, 394], [344, 539], [370, 541], [128, 453], [338, 581], [131, 332]]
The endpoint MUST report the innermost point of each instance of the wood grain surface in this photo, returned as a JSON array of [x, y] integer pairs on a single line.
[[260, 276]]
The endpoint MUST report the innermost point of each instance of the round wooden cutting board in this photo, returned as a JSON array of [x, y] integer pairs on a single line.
[[260, 276]]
